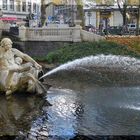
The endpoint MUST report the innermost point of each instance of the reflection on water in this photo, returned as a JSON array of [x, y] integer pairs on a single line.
[[90, 111], [17, 112], [96, 111], [82, 111]]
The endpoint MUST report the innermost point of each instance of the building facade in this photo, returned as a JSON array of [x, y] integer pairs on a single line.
[[19, 9], [61, 11], [60, 2], [104, 17], [108, 17]]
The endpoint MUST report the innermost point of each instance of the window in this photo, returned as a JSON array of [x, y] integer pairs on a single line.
[[34, 7], [29, 6], [133, 26], [11, 5], [18, 5], [24, 6], [38, 9], [4, 5]]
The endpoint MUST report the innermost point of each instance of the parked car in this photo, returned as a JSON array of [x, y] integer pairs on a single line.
[[131, 26]]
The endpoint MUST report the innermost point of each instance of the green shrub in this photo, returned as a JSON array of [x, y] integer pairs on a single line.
[[79, 50]]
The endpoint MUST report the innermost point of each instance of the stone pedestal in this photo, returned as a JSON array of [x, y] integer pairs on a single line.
[[22, 33], [76, 33], [77, 22]]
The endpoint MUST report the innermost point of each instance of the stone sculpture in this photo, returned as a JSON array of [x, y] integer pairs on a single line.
[[18, 71]]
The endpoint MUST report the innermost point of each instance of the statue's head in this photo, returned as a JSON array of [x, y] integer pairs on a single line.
[[6, 43]]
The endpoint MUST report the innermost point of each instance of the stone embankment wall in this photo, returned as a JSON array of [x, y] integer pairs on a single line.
[[90, 37], [38, 48], [42, 48], [41, 41]]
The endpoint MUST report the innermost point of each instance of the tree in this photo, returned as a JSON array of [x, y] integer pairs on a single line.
[[43, 12], [122, 4]]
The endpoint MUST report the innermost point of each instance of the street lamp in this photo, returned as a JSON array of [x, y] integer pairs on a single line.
[[72, 13], [89, 15]]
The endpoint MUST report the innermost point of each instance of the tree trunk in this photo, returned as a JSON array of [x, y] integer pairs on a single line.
[[138, 19], [124, 14], [43, 12], [123, 11]]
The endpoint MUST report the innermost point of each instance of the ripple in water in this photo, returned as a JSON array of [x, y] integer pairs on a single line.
[[95, 111]]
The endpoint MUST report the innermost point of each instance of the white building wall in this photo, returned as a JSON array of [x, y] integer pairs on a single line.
[[93, 19], [118, 19], [111, 19], [86, 19], [8, 5]]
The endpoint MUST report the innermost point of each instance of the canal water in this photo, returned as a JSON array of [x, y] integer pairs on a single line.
[[94, 96], [89, 98], [96, 111]]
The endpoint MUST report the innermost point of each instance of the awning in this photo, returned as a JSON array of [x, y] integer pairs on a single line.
[[20, 22], [8, 18]]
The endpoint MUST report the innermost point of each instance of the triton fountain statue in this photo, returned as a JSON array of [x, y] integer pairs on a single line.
[[18, 71]]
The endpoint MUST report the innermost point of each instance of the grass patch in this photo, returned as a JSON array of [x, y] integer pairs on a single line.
[[132, 42]]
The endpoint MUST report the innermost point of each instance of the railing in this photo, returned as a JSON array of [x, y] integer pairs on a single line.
[[71, 34]]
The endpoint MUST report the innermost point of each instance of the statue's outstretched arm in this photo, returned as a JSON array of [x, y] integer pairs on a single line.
[[26, 57]]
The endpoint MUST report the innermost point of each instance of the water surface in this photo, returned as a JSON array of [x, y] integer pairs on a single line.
[[96, 95], [96, 111]]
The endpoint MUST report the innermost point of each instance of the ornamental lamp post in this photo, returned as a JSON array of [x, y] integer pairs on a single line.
[[72, 13], [89, 15]]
